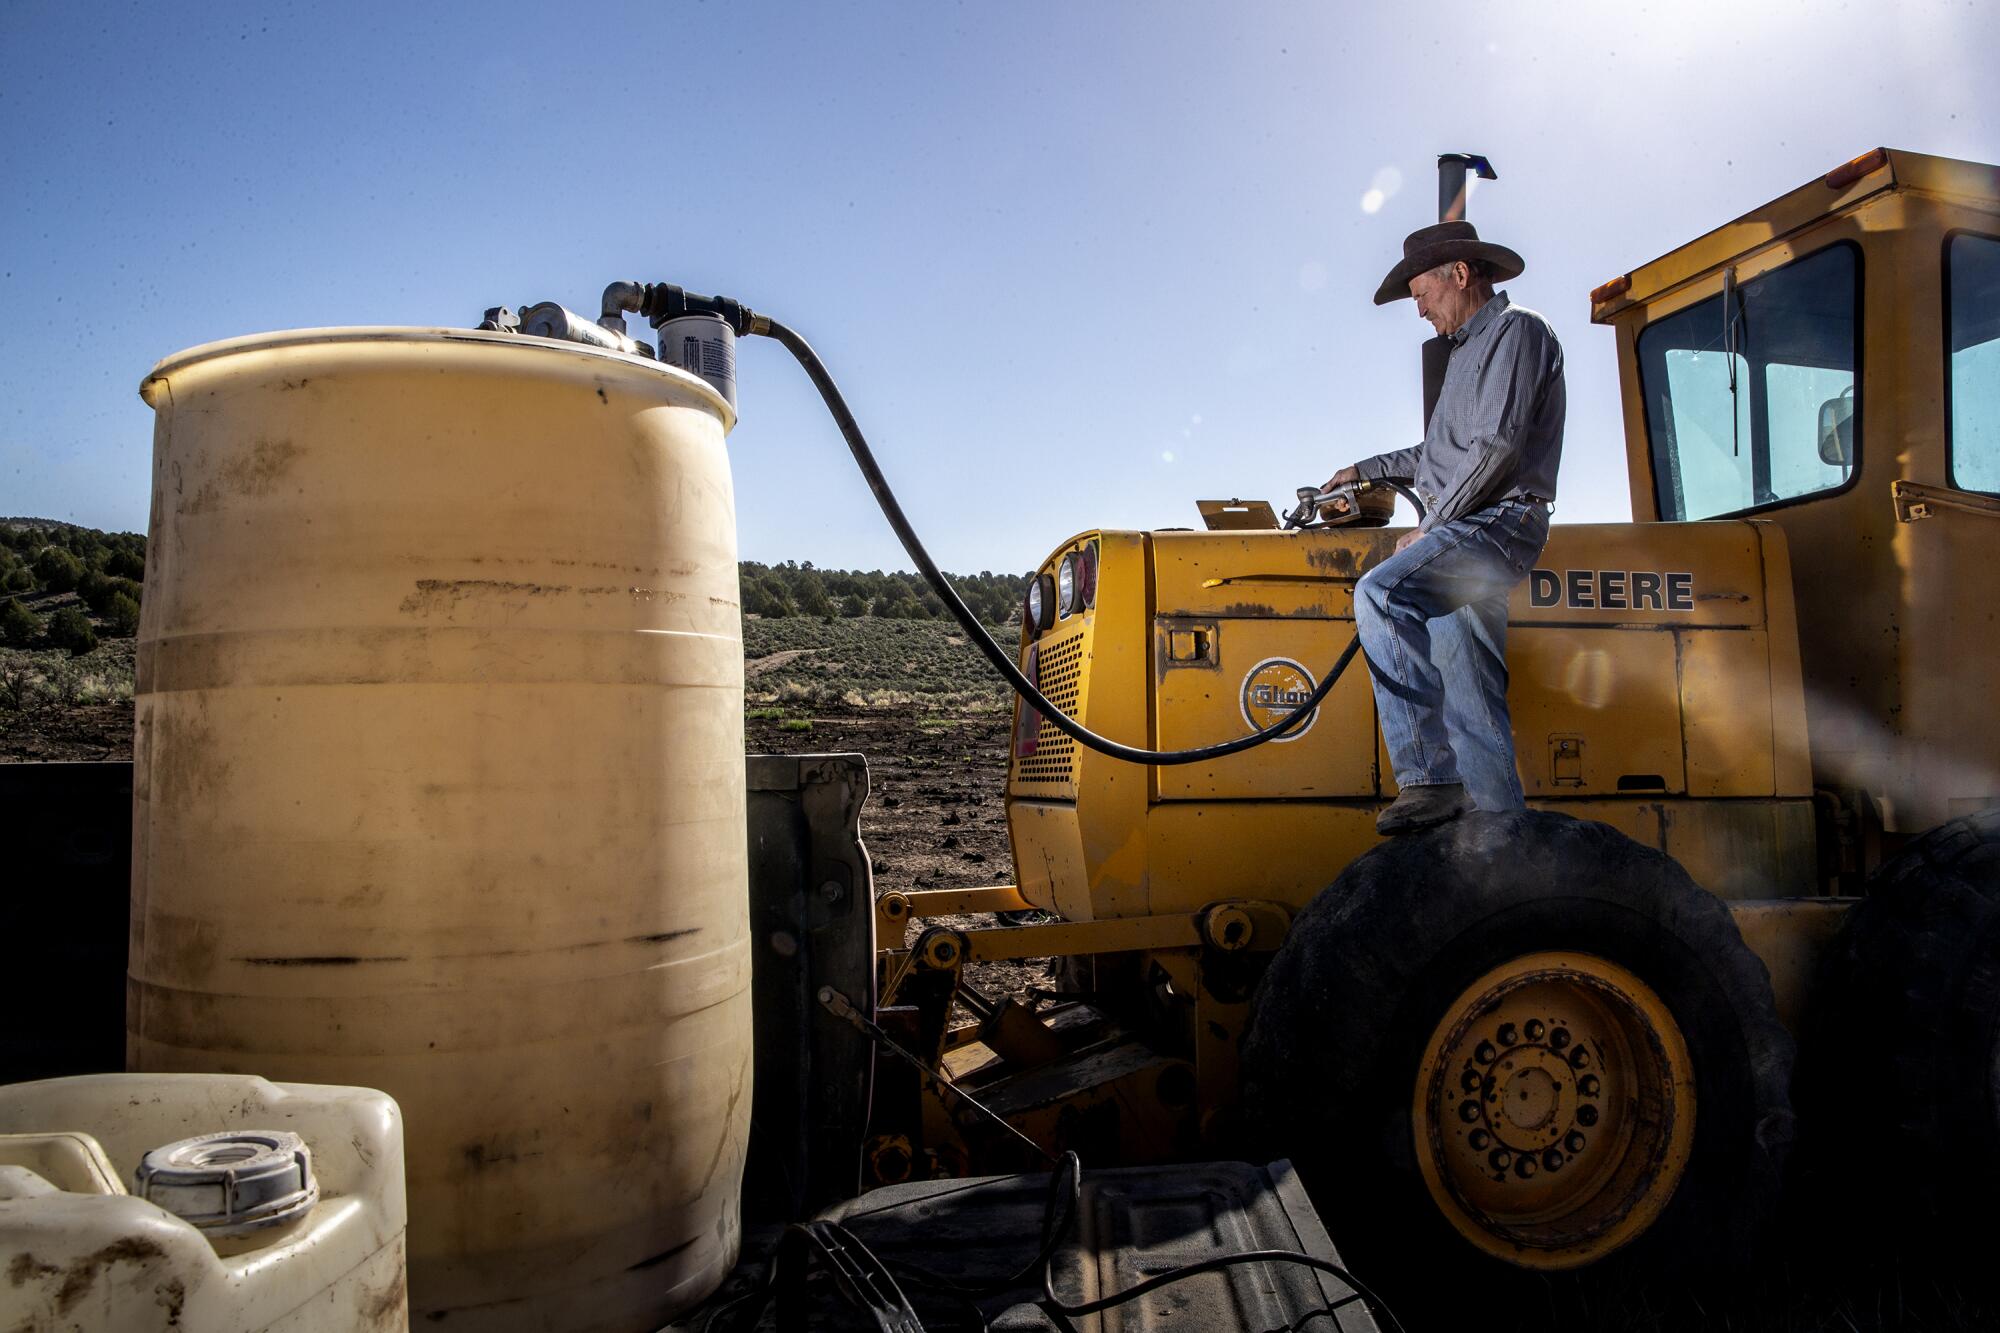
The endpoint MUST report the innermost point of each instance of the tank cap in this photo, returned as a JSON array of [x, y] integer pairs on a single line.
[[232, 1183]]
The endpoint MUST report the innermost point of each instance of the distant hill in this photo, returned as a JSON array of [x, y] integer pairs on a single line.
[[62, 586], [793, 589]]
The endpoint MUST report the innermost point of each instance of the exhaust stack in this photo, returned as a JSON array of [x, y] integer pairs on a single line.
[[1452, 168]]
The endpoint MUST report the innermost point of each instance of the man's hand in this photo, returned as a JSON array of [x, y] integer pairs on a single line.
[[1408, 540], [1345, 476]]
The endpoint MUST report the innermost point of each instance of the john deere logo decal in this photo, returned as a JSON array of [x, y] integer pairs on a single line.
[[1275, 689]]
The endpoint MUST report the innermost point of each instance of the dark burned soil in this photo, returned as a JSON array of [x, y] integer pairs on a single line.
[[85, 732]]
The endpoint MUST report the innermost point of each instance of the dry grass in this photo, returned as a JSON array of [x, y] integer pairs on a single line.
[[870, 664], [32, 682]]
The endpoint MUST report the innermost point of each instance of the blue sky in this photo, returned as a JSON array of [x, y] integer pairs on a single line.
[[1074, 264]]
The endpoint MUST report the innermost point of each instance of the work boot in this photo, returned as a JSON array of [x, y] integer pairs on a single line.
[[1418, 808]]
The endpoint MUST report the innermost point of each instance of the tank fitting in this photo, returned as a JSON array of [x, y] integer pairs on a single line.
[[549, 320]]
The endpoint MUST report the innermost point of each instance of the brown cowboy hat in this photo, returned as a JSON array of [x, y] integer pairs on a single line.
[[1427, 247]]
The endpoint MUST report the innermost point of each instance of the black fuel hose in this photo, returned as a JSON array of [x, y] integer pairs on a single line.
[[1001, 659]]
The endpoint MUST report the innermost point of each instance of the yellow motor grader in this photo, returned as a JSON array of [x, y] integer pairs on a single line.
[[1762, 754]]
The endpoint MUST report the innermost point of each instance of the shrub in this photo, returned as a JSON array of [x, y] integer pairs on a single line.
[[19, 626], [127, 565], [123, 616], [70, 628], [96, 590], [811, 599], [58, 570], [18, 579], [17, 683]]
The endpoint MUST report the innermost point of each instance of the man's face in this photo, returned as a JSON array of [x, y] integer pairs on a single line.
[[1445, 297]]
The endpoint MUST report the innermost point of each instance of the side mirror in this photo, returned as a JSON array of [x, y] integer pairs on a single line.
[[1836, 430]]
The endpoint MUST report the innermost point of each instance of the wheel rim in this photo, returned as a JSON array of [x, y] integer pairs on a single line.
[[1554, 1110]]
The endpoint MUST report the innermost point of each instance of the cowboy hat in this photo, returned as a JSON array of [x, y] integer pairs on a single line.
[[1427, 247]]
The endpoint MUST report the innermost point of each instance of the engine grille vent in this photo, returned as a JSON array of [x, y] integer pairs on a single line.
[[1053, 764]]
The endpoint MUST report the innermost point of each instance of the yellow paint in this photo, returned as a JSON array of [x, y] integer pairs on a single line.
[[1823, 644], [1791, 935], [1891, 637], [1554, 1110], [1609, 703]]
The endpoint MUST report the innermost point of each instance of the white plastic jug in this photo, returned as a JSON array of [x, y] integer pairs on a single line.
[[267, 1206]]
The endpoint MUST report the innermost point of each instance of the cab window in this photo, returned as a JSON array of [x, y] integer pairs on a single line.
[[1752, 396], [1972, 306]]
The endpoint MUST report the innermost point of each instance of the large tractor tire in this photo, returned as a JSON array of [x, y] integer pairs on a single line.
[[1905, 1050], [1524, 1039]]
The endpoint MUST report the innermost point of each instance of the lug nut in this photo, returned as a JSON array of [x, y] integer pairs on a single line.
[[1508, 1034], [1535, 1029], [1524, 1166], [1574, 1141], [1586, 1115], [1499, 1159], [1468, 1111], [1479, 1139], [1588, 1085], [1470, 1080], [1580, 1058], [1553, 1159], [1559, 1038], [1485, 1054]]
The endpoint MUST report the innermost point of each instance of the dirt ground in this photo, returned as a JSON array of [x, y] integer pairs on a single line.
[[934, 817], [87, 731]]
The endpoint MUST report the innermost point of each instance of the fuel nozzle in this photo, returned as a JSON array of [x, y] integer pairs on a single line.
[[1352, 504]]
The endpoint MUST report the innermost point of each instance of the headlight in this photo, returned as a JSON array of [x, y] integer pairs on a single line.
[[1041, 608], [1066, 585], [1086, 576]]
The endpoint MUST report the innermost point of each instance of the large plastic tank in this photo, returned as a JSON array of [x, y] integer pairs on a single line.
[[439, 790], [84, 1252]]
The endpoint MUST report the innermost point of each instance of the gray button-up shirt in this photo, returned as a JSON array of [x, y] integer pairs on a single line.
[[1497, 430]]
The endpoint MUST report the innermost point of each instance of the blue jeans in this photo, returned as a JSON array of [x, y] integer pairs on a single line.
[[1433, 621]]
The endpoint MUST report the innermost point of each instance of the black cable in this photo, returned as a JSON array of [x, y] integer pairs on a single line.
[[1070, 1167], [1003, 661]]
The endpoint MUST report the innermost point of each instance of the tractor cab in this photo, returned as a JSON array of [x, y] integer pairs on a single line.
[[1830, 363]]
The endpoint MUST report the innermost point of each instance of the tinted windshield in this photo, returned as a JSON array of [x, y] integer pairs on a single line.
[[1972, 293], [1752, 401]]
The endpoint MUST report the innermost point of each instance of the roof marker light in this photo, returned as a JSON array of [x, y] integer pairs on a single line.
[[1612, 290], [1843, 176]]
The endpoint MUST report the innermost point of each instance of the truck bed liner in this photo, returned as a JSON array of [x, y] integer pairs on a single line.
[[1135, 1222]]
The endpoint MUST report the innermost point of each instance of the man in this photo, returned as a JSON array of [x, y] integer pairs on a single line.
[[1433, 616]]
